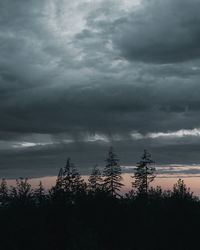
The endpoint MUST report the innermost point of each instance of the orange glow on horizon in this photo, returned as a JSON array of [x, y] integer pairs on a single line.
[[166, 182]]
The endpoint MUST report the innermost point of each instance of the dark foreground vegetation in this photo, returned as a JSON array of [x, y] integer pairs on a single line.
[[94, 216]]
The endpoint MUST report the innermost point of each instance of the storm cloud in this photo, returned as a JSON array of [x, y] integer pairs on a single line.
[[161, 32], [77, 77]]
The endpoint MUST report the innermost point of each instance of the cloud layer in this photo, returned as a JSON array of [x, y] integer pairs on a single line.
[[76, 77]]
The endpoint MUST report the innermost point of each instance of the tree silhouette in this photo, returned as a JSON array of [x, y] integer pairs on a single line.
[[69, 184], [22, 193], [95, 180], [71, 219], [144, 173], [39, 194], [60, 180], [180, 191], [3, 191], [72, 181], [57, 193], [112, 174]]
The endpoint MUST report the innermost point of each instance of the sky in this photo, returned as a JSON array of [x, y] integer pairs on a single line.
[[79, 76]]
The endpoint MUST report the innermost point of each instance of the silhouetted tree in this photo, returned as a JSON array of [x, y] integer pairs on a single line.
[[112, 174], [155, 193], [58, 189], [68, 185], [95, 180], [39, 194], [144, 174], [3, 192], [72, 181], [60, 180], [57, 193], [22, 193], [180, 191]]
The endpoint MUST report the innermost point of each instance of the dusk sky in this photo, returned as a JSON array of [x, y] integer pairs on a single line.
[[79, 76]]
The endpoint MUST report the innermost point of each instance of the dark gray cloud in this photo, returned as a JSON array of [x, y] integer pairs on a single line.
[[160, 32], [42, 160], [78, 77], [156, 32]]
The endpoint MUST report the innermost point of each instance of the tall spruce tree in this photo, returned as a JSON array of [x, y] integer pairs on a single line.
[[60, 180], [144, 173], [57, 192], [95, 180], [3, 191], [112, 174], [72, 181]]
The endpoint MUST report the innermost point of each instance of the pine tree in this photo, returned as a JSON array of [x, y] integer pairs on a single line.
[[57, 193], [72, 181], [60, 180], [180, 191], [112, 174], [95, 180], [144, 174], [39, 194], [22, 193], [68, 184], [3, 191]]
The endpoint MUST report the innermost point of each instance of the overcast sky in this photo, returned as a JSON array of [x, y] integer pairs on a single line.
[[79, 76]]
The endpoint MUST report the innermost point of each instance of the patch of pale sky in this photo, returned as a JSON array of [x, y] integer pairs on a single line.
[[96, 137], [170, 134], [103, 138], [29, 144], [179, 133]]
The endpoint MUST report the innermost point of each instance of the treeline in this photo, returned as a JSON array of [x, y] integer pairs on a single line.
[[75, 215], [70, 186]]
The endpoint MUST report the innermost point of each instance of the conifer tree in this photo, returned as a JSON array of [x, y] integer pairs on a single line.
[[72, 181], [22, 193], [95, 180], [144, 173], [60, 180], [180, 191], [39, 194], [57, 193], [112, 174], [3, 191]]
